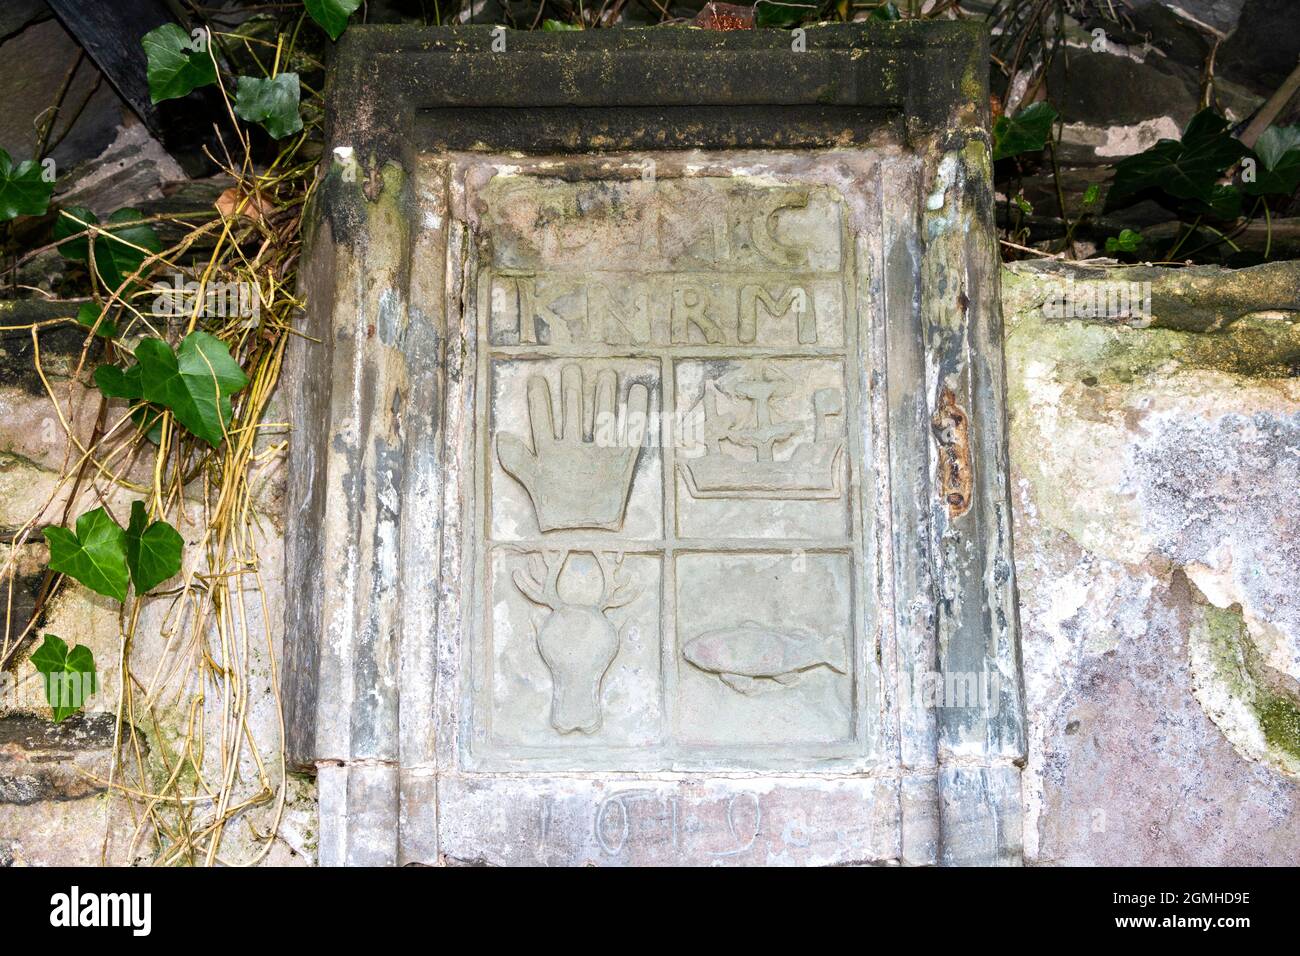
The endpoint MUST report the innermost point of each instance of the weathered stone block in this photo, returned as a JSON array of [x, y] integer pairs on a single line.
[[1153, 459], [641, 458], [755, 821]]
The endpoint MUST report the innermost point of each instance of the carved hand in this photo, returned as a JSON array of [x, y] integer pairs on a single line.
[[579, 479]]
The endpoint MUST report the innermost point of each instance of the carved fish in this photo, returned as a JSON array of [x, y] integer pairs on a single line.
[[751, 657]]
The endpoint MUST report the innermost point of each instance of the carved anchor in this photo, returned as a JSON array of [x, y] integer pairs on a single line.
[[577, 641], [811, 470]]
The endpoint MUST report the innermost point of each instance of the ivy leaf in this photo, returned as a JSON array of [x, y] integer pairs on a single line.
[[175, 67], [332, 15], [149, 419], [771, 14], [116, 383], [153, 552], [69, 675], [1091, 195], [88, 315], [195, 383], [1224, 203], [116, 255], [23, 189], [119, 251], [1126, 241], [886, 11], [554, 25], [1026, 132], [271, 102], [95, 555], [69, 223], [1184, 170], [1278, 151]]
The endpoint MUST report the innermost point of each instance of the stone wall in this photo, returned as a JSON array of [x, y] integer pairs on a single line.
[[1153, 464], [55, 807], [1153, 475]]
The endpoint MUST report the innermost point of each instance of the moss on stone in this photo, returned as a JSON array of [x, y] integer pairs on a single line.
[[1240, 672], [1111, 351], [1279, 717], [1226, 637]]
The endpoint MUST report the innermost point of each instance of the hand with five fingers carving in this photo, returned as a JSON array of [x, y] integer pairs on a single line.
[[580, 478]]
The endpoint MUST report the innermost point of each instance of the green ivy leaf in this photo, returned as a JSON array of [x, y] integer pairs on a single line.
[[69, 675], [1091, 195], [332, 15], [1126, 241], [1224, 203], [116, 383], [119, 251], [195, 383], [95, 555], [1277, 143], [153, 551], [553, 25], [271, 102], [1026, 132], [23, 190], [149, 419], [88, 315], [69, 223], [1184, 170], [1278, 172], [772, 14], [886, 11], [175, 68], [119, 257]]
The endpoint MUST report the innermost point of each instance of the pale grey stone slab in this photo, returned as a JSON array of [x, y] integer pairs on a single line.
[[726, 567], [714, 822], [360, 802], [980, 816], [647, 485]]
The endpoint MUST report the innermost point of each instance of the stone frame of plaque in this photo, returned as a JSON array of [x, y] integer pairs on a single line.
[[648, 489]]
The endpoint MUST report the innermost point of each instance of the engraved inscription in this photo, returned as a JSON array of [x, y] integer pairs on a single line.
[[539, 307], [669, 225]]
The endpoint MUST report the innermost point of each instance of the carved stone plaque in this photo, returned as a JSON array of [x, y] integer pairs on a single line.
[[659, 456], [672, 533]]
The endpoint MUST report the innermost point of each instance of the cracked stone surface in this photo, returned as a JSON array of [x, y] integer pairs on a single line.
[[1152, 472]]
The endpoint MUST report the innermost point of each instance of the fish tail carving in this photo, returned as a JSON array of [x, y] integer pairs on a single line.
[[836, 653]]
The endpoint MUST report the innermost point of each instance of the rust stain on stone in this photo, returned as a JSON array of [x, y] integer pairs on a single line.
[[724, 16], [956, 474]]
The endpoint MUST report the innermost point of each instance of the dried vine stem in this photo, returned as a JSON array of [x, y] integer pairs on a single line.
[[188, 765]]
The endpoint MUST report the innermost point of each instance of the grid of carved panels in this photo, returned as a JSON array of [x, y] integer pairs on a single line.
[[670, 557]]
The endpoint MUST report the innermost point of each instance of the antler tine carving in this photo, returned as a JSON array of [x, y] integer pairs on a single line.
[[555, 564], [616, 591], [531, 586]]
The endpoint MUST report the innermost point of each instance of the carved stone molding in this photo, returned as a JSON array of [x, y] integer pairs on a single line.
[[649, 473]]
